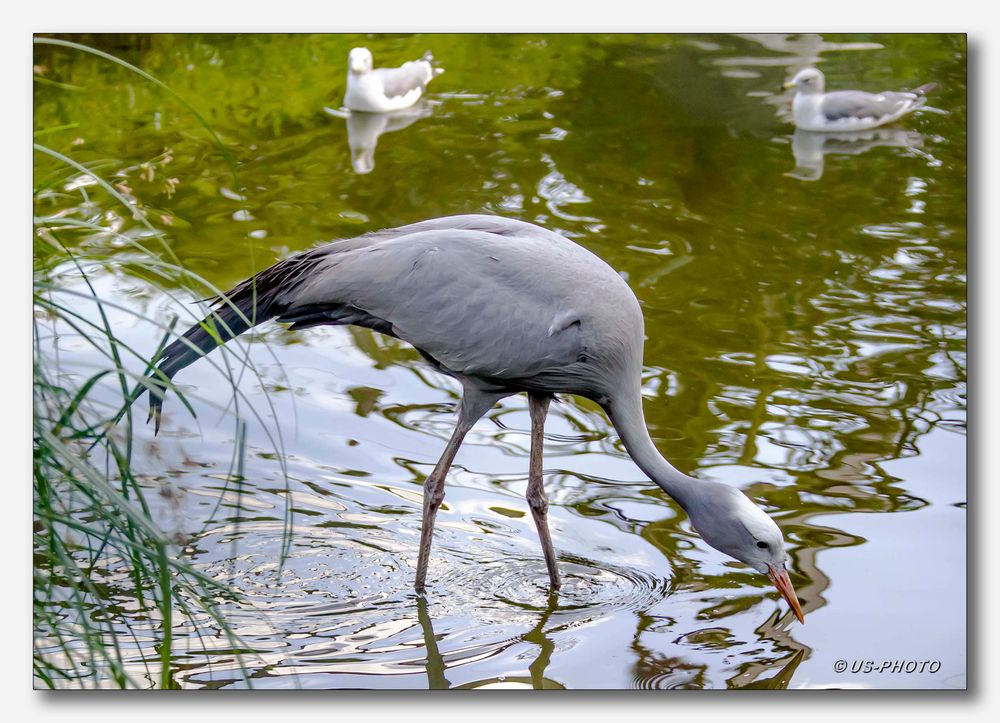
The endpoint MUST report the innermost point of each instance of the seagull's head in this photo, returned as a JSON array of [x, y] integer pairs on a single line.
[[808, 80], [731, 523], [360, 60]]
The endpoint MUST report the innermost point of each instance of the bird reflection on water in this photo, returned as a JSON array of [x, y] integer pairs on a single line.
[[539, 635], [810, 148], [436, 665], [364, 130]]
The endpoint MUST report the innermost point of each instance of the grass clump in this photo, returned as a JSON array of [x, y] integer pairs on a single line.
[[110, 586]]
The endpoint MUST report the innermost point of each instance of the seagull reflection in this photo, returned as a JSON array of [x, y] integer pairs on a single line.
[[810, 147], [536, 679], [364, 129]]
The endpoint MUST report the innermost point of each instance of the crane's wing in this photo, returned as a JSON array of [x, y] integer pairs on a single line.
[[482, 296]]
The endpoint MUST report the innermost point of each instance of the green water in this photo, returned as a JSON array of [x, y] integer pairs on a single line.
[[805, 319]]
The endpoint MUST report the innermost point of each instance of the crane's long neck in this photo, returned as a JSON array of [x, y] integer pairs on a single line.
[[626, 415]]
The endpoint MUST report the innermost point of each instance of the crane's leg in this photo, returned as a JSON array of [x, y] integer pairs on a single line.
[[474, 405], [537, 500]]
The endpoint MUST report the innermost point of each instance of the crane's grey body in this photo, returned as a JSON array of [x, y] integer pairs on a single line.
[[469, 292], [504, 306]]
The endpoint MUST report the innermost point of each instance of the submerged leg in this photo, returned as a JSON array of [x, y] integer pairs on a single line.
[[537, 501], [474, 405]]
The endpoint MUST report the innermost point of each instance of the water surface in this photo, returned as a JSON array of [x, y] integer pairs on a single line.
[[805, 306]]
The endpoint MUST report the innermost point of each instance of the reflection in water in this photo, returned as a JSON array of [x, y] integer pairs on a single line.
[[807, 47], [436, 679], [536, 636], [661, 672], [364, 129], [778, 681], [811, 147]]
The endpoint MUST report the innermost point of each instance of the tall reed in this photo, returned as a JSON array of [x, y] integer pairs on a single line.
[[109, 584]]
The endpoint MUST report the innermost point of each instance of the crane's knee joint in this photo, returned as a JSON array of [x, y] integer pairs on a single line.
[[538, 504], [433, 492]]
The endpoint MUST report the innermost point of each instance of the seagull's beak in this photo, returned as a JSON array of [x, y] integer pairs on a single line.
[[780, 579], [788, 84]]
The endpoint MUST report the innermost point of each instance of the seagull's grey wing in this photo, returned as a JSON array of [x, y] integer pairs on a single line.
[[858, 104], [408, 77]]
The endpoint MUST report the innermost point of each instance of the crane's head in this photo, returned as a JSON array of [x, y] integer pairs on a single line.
[[359, 60], [728, 521], [808, 80]]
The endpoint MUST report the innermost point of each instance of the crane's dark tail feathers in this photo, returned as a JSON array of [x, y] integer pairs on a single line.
[[230, 319], [250, 303], [263, 296]]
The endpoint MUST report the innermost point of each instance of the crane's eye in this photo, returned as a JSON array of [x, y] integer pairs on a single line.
[[762, 545]]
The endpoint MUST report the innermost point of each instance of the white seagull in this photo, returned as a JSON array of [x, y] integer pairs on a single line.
[[847, 110], [380, 90]]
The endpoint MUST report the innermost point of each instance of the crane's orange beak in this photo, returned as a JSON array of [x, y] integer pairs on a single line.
[[784, 585]]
